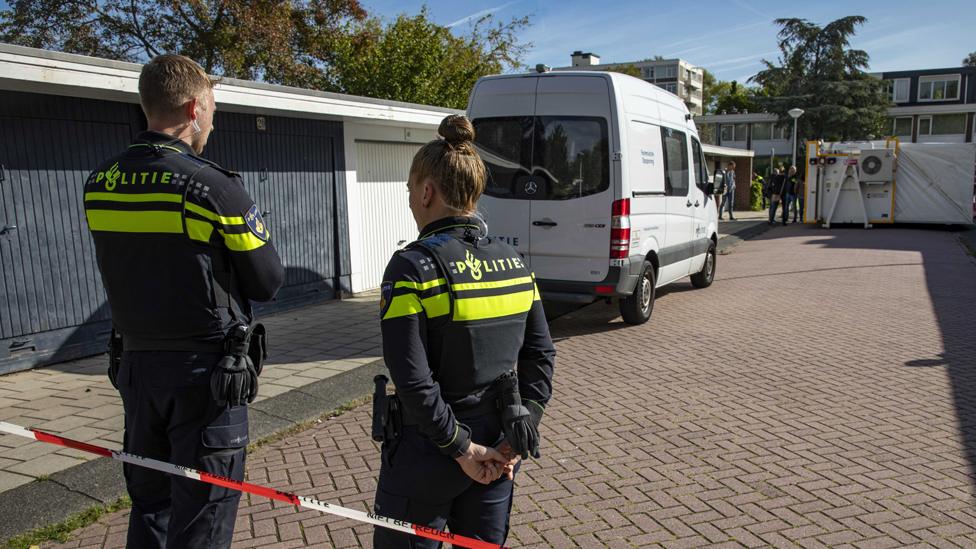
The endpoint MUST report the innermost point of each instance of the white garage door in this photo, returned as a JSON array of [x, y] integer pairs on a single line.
[[381, 172]]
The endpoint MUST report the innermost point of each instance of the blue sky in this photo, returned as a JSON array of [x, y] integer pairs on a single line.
[[726, 37]]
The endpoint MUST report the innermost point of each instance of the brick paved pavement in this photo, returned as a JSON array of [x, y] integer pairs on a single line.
[[819, 394], [75, 398]]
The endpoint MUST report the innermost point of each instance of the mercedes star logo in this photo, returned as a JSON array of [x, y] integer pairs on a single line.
[[531, 187]]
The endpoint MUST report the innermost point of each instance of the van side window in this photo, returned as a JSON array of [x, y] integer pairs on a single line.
[[696, 157], [675, 162]]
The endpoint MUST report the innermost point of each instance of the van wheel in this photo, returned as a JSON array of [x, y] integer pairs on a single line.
[[704, 277], [636, 309]]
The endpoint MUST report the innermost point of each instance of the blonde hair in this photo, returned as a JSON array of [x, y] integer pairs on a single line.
[[453, 164], [168, 81]]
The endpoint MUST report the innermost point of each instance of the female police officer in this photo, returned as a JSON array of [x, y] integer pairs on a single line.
[[467, 345]]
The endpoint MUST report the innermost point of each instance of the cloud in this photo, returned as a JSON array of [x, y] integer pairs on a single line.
[[749, 8], [708, 35], [478, 15], [687, 51], [754, 58]]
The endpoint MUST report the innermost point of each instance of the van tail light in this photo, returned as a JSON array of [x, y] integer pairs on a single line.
[[620, 229]]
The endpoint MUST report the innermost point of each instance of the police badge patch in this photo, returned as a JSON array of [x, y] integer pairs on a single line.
[[256, 223], [386, 292]]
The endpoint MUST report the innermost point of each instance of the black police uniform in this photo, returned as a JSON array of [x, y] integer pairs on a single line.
[[458, 311], [181, 248]]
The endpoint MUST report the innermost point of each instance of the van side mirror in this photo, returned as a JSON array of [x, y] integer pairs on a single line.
[[709, 189]]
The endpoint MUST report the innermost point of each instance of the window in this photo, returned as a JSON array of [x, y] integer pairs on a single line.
[[902, 126], [669, 86], [924, 125], [566, 157], [505, 146], [701, 175], [572, 156], [899, 89], [648, 72], [762, 131], [668, 71], [741, 131], [938, 88], [728, 133], [949, 124], [675, 162], [783, 133]]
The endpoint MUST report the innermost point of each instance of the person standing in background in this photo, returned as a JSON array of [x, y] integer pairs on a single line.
[[728, 197]]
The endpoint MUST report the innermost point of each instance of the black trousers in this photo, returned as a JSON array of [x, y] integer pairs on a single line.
[[420, 485], [170, 416]]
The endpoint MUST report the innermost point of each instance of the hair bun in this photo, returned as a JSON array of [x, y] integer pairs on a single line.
[[456, 129]]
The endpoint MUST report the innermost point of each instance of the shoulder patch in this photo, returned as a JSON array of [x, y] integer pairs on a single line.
[[256, 223], [386, 295]]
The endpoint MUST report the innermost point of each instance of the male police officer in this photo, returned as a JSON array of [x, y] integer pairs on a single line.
[[181, 248]]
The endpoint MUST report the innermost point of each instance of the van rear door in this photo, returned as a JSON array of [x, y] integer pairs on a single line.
[[570, 186], [502, 110]]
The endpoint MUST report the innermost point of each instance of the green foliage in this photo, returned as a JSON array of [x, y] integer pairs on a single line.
[[735, 98], [330, 45], [61, 531], [970, 60], [413, 59], [629, 70], [279, 41], [819, 73]]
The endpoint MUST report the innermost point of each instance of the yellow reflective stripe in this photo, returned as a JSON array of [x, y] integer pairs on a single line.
[[199, 230], [457, 429], [420, 286], [403, 305], [212, 216], [241, 242], [489, 285], [438, 305], [477, 308], [117, 221], [538, 296], [142, 197]]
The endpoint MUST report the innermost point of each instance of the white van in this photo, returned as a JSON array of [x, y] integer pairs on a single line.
[[598, 179]]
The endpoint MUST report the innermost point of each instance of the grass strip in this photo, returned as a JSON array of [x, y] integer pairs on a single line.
[[61, 531]]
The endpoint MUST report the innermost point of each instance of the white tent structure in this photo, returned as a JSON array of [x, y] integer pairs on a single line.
[[887, 182]]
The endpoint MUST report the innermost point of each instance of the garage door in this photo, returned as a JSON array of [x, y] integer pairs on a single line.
[[381, 171]]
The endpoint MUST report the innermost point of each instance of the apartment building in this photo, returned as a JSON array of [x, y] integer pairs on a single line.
[[933, 105], [674, 75]]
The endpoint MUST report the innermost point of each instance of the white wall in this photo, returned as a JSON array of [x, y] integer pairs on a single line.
[[360, 247]]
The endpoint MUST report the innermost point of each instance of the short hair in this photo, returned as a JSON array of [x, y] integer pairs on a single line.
[[732, 163], [453, 164], [168, 81]]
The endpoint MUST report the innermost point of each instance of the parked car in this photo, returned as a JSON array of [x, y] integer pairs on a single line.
[[599, 180]]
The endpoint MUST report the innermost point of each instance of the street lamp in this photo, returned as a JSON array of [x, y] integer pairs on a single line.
[[795, 113]]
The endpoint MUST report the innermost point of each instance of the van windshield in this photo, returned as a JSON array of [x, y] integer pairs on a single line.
[[544, 158]]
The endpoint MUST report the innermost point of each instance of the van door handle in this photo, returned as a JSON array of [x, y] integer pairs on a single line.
[[697, 204], [544, 223], [689, 204]]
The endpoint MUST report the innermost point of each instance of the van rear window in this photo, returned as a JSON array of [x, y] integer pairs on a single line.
[[544, 158]]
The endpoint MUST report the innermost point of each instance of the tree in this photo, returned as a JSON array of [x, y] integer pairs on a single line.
[[330, 45], [970, 60], [283, 42], [629, 70], [734, 98], [414, 59], [819, 73]]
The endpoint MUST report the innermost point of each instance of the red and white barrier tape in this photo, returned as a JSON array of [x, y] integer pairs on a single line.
[[300, 501]]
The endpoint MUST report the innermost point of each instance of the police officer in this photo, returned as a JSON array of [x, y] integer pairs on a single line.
[[467, 345], [181, 248]]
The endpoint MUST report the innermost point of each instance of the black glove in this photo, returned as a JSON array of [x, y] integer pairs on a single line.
[[517, 423], [234, 381]]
